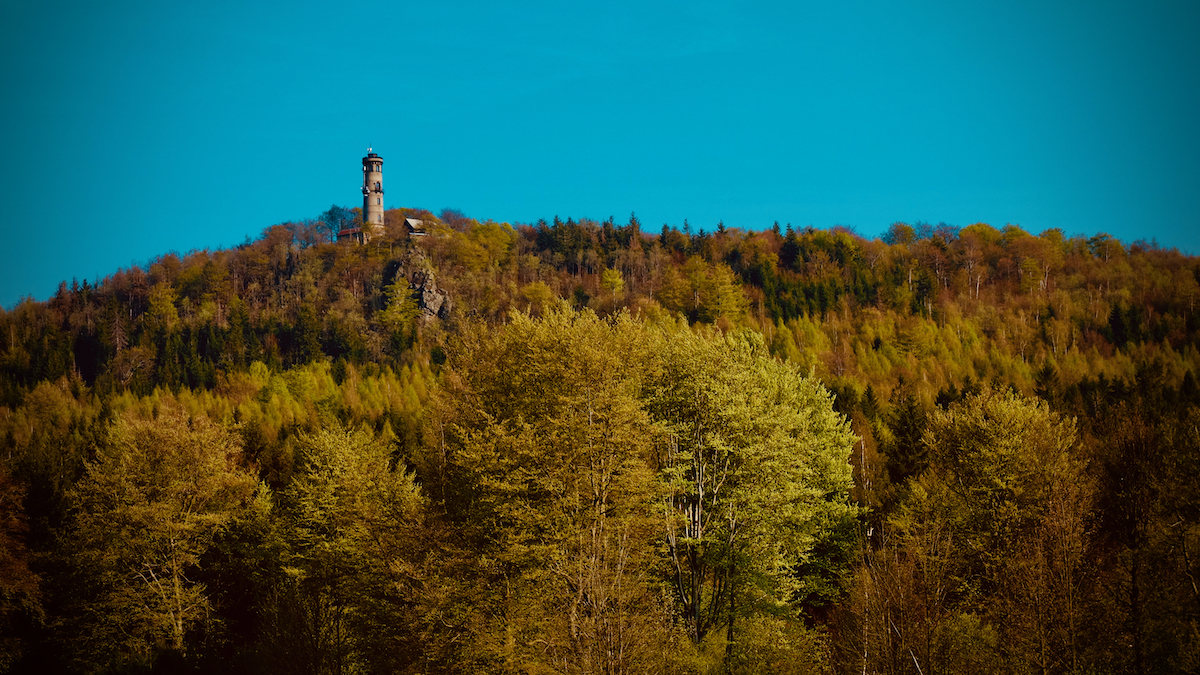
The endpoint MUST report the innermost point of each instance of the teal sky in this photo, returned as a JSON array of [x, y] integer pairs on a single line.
[[130, 129]]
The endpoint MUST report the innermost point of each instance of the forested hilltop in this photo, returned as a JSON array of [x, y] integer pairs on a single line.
[[581, 447]]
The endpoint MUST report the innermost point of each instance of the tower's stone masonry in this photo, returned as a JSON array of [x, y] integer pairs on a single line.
[[372, 190]]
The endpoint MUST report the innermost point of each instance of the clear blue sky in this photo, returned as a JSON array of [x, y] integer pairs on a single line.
[[134, 128]]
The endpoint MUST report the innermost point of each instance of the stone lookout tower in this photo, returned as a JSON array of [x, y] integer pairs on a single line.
[[372, 189]]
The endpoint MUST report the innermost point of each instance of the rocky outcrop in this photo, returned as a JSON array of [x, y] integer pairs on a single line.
[[432, 300], [416, 268]]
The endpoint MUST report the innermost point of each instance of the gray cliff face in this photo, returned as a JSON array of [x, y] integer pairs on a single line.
[[433, 301]]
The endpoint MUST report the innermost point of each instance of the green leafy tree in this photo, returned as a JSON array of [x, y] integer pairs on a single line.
[[755, 462], [613, 282], [538, 295], [725, 299], [348, 516], [1002, 456], [983, 554], [399, 316], [148, 509], [542, 454]]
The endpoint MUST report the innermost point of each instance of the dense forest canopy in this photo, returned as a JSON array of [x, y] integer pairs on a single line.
[[587, 447]]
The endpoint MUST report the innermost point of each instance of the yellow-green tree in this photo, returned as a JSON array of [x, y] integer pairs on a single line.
[[540, 454], [347, 527], [149, 507], [1003, 456], [613, 282], [982, 560], [399, 315], [755, 464]]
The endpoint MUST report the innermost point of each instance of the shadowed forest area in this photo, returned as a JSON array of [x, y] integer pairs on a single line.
[[584, 447]]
